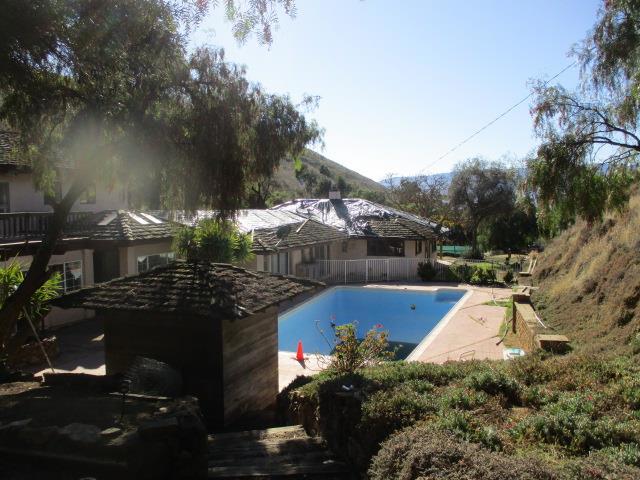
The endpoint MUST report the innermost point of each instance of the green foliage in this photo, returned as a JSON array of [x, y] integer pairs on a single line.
[[425, 452], [587, 161], [481, 191], [495, 382], [426, 271], [480, 274], [213, 240], [424, 196], [351, 354], [11, 276], [635, 343], [572, 422], [577, 413], [508, 277]]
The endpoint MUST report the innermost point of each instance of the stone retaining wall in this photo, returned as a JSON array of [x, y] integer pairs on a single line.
[[531, 334]]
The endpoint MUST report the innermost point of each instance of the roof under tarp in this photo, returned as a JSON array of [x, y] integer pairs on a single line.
[[302, 234], [362, 218], [247, 219]]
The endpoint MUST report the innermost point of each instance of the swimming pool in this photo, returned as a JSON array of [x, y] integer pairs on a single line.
[[408, 316]]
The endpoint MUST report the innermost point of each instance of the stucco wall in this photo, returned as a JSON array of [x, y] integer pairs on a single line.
[[23, 197], [58, 317], [129, 255]]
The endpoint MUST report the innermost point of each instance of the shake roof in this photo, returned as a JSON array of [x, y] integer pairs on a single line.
[[204, 289], [362, 218], [295, 235], [128, 226], [8, 143]]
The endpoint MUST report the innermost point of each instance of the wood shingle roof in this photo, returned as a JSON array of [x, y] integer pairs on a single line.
[[203, 289]]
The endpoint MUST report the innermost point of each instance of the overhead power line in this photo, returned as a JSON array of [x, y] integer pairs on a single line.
[[487, 125]]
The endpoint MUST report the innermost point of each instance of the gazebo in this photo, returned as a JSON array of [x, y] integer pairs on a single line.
[[215, 323]]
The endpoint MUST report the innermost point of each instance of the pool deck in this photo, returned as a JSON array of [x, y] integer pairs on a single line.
[[470, 330]]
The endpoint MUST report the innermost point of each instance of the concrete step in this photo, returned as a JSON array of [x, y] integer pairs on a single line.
[[274, 453]]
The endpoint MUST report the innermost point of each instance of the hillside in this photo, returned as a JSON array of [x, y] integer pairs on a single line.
[[589, 279], [287, 182]]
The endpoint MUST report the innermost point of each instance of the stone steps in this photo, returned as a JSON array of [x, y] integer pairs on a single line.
[[274, 453]]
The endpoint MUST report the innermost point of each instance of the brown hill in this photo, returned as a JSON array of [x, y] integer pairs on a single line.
[[589, 279], [319, 165]]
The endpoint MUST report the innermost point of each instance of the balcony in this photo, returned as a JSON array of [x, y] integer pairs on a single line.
[[22, 226]]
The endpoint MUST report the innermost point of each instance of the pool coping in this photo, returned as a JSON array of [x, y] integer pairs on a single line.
[[429, 337]]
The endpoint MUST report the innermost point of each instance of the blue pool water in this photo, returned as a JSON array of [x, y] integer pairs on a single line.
[[408, 316]]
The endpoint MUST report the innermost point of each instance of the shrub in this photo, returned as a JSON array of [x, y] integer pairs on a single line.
[[351, 354], [426, 271], [386, 411], [474, 274], [495, 382], [571, 422], [423, 452], [462, 398], [508, 277], [635, 343], [481, 275]]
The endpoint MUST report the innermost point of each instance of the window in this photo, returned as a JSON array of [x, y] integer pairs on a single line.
[[385, 247], [320, 252], [277, 263], [70, 274], [345, 247], [4, 198], [89, 195], [56, 196], [147, 262], [418, 247]]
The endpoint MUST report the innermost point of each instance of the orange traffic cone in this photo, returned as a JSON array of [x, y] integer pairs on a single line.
[[300, 353]]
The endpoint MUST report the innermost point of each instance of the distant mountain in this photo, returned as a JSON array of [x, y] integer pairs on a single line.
[[446, 177], [322, 167]]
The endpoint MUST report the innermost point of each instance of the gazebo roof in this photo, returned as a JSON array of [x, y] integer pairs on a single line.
[[206, 289]]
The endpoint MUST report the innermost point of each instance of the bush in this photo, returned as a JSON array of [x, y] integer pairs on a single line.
[[351, 354], [387, 411], [426, 271], [508, 277], [635, 343], [424, 452], [495, 382], [474, 274], [573, 422]]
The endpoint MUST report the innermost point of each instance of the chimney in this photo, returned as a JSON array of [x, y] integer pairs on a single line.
[[334, 194]]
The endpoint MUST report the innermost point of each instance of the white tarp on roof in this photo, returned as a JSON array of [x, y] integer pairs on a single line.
[[350, 214], [247, 220]]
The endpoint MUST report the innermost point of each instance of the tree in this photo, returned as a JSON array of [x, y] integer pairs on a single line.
[[107, 88], [588, 158], [423, 195], [480, 191], [213, 240]]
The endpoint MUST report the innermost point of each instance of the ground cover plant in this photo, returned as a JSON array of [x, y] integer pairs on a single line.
[[531, 418]]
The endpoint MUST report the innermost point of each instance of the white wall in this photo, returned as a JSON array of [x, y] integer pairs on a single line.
[[129, 255], [58, 316], [23, 197]]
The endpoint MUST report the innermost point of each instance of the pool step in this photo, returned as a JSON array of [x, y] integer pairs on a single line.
[[282, 452]]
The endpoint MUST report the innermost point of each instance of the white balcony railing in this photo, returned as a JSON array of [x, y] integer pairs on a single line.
[[364, 270]]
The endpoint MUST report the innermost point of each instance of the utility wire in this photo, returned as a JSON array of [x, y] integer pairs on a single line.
[[487, 125]]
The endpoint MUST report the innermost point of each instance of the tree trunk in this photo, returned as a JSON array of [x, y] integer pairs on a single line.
[[38, 272]]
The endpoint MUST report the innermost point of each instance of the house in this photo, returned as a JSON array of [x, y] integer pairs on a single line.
[[378, 243], [217, 324], [334, 240], [102, 239]]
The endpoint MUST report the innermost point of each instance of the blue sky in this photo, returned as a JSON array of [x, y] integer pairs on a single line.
[[402, 82]]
